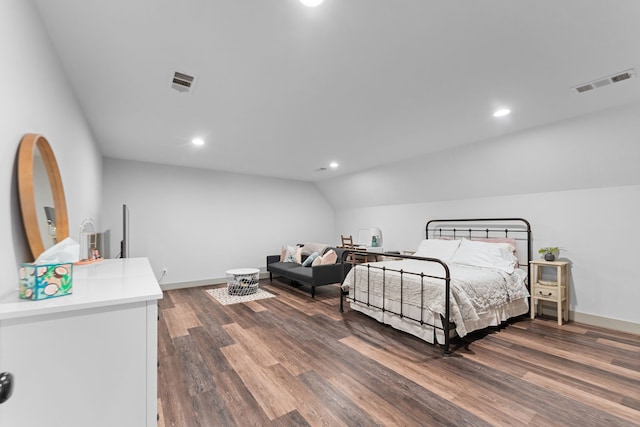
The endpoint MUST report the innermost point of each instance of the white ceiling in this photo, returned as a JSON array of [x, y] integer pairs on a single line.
[[282, 89]]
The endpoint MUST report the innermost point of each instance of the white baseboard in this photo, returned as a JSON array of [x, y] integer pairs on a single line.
[[198, 283], [593, 320], [605, 322]]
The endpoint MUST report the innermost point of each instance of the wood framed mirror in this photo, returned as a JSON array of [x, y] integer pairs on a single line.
[[42, 201]]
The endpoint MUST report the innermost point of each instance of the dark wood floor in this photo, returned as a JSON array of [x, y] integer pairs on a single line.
[[296, 361]]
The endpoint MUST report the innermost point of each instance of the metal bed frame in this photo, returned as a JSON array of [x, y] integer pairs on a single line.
[[518, 229]]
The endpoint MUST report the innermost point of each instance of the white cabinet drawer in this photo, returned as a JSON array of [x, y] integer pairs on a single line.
[[548, 292]]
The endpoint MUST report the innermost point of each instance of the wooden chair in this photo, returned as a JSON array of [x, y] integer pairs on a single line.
[[347, 243]]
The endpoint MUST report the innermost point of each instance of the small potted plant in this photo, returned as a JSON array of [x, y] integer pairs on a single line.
[[549, 253]]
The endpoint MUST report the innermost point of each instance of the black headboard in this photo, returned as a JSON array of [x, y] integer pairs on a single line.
[[517, 229]]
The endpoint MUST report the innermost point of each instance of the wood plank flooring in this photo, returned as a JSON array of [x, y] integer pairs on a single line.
[[296, 361]]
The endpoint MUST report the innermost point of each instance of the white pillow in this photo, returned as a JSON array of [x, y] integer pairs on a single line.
[[497, 256], [317, 261], [437, 248]]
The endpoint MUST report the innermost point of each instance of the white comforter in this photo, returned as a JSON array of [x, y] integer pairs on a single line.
[[474, 291]]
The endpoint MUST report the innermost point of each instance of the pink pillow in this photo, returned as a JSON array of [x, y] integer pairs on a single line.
[[512, 242], [330, 257]]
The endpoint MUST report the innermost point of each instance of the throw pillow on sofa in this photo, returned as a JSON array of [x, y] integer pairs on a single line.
[[311, 247], [290, 255], [309, 261], [330, 257], [317, 261]]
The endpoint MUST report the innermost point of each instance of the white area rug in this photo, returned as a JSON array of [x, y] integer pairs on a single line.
[[224, 298]]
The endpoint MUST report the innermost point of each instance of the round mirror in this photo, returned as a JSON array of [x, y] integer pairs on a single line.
[[44, 209]]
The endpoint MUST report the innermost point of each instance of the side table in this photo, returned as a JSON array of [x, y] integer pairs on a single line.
[[243, 281], [555, 291]]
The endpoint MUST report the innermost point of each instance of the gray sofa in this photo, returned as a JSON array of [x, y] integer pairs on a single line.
[[319, 275]]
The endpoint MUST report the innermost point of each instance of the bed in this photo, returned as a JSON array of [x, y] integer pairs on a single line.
[[466, 275]]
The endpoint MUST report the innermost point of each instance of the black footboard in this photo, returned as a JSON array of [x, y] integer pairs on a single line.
[[446, 327]]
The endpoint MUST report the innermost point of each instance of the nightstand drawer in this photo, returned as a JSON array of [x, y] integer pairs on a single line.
[[550, 292]]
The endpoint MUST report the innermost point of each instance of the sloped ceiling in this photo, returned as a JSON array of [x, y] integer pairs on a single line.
[[282, 90]]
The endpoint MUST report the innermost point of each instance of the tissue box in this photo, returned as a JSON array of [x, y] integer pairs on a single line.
[[41, 281]]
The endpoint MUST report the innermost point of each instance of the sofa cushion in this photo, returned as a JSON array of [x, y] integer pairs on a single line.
[[301, 274], [317, 261], [277, 267]]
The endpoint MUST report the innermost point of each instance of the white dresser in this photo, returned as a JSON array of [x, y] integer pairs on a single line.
[[87, 359]]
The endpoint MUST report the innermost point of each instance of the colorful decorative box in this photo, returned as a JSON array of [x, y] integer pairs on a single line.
[[39, 282]]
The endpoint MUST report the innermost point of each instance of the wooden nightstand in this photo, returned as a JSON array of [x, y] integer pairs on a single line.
[[555, 291]]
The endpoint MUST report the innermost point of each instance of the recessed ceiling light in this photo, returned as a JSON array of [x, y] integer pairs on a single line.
[[197, 141], [502, 112], [311, 3], [333, 165]]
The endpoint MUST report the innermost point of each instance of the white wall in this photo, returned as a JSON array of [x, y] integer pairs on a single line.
[[200, 223], [36, 98], [577, 182], [586, 224]]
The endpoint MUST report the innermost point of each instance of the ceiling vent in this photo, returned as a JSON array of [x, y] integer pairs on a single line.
[[182, 82], [584, 88], [614, 78], [620, 77]]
